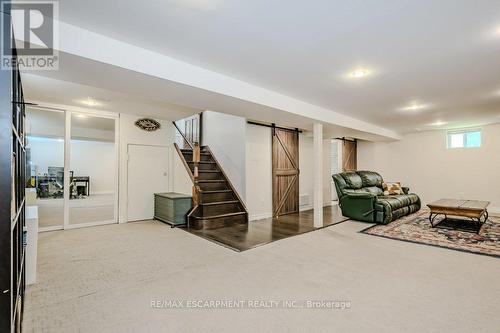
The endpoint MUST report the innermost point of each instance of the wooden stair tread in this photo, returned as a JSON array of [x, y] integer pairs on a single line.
[[211, 181], [191, 152], [220, 203], [216, 191], [219, 216]]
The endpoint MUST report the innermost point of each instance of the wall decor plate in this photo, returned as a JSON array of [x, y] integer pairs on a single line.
[[148, 124]]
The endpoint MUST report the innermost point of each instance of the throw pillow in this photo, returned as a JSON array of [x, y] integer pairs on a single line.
[[392, 188]]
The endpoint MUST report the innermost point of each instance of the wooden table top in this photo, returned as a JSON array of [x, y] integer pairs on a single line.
[[455, 204]]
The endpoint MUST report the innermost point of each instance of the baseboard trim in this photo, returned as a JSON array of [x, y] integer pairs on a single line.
[[494, 211], [260, 216], [101, 192], [254, 217], [305, 207], [309, 207]]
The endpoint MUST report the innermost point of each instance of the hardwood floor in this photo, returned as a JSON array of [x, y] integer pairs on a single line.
[[241, 237]]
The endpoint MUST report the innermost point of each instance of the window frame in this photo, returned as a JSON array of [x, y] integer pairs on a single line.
[[464, 133]]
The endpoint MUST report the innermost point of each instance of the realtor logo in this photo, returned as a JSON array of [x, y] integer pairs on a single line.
[[34, 25]]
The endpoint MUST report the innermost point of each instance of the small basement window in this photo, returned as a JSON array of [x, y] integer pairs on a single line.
[[465, 138]]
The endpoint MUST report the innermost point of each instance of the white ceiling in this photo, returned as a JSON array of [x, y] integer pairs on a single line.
[[443, 53], [126, 91], [121, 90], [65, 88]]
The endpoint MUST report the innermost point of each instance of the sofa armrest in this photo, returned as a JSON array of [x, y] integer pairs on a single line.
[[358, 195], [406, 190], [358, 206]]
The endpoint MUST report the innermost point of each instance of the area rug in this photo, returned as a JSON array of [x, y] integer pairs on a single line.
[[416, 228]]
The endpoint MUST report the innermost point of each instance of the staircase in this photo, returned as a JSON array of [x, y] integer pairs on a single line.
[[216, 203]]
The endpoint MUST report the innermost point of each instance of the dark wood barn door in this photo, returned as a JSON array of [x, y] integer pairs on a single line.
[[285, 171], [349, 155]]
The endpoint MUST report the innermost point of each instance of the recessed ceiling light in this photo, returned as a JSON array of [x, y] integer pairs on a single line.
[[91, 101], [438, 123], [494, 33], [359, 73], [414, 106], [81, 115], [200, 4]]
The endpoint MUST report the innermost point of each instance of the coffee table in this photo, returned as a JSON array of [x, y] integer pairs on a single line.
[[472, 210]]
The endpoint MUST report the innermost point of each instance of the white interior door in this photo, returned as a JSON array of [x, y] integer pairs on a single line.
[[147, 174]]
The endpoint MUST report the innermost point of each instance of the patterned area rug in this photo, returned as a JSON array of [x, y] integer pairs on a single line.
[[417, 229]]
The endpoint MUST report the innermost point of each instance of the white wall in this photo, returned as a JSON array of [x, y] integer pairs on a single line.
[[225, 135], [182, 183], [259, 172], [131, 134], [306, 183], [88, 158], [422, 162], [259, 192]]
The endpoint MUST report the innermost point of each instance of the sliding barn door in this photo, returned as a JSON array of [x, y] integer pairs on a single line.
[[285, 171], [349, 155]]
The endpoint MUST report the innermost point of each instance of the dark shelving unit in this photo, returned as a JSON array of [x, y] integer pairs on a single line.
[[12, 196]]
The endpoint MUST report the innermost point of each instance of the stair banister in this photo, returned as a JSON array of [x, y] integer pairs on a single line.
[[196, 187], [183, 135], [210, 210]]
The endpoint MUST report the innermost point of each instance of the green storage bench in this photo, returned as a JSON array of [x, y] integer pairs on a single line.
[[172, 208]]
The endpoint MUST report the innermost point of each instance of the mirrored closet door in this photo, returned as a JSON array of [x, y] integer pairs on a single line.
[[92, 170], [45, 166], [72, 167]]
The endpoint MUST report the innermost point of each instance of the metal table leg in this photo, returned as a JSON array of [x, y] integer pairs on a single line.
[[432, 217]]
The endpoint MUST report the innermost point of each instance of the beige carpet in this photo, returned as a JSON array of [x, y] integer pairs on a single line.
[[103, 279]]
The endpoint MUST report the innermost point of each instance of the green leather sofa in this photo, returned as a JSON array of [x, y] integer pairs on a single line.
[[361, 198]]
